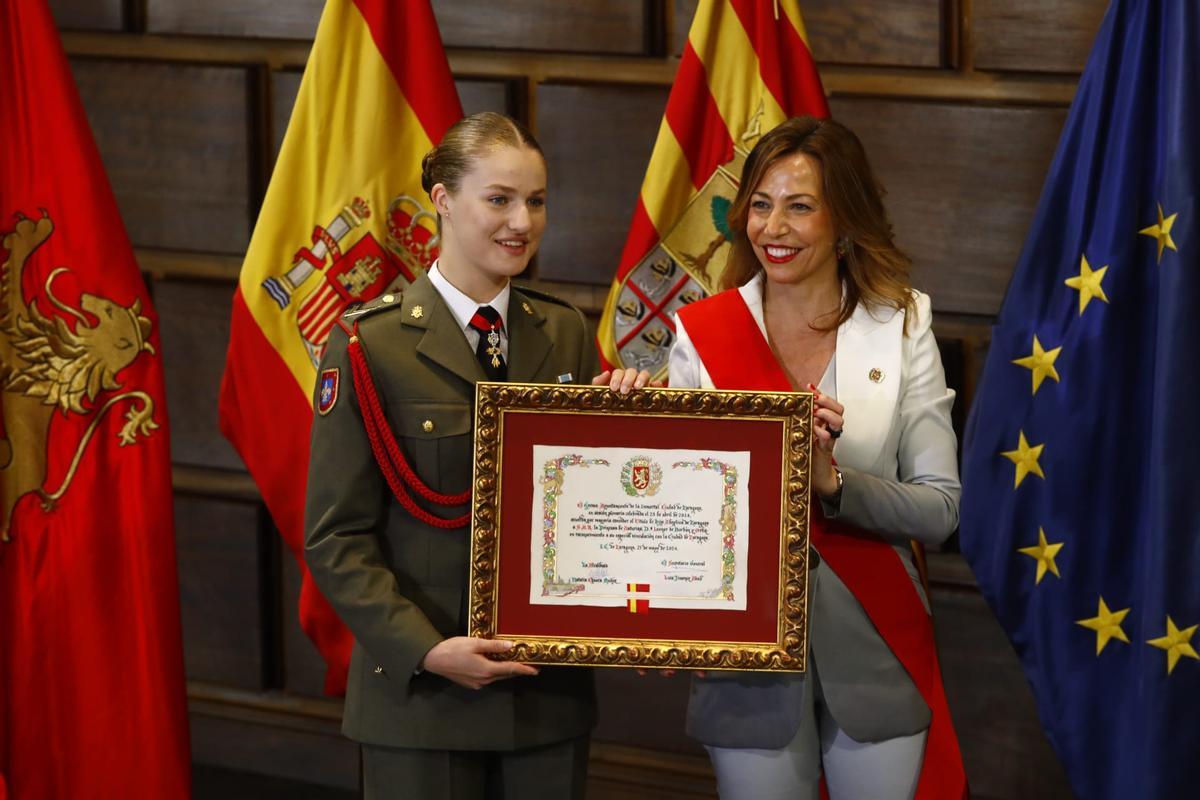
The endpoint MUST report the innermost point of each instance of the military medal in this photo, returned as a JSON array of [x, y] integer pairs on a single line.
[[493, 350], [488, 323]]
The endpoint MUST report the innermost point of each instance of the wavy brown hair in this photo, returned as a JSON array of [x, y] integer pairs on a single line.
[[873, 271]]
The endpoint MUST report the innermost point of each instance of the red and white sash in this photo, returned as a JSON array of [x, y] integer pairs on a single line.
[[737, 356]]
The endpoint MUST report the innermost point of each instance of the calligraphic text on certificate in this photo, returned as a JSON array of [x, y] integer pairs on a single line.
[[643, 527]]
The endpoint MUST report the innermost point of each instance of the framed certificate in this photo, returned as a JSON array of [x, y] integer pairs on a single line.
[[664, 528]]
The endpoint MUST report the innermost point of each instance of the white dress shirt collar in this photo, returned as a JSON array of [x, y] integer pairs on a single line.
[[462, 306]]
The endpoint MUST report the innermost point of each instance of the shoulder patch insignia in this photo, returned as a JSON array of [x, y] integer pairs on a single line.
[[328, 393]]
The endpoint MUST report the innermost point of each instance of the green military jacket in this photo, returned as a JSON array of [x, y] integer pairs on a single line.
[[400, 585]]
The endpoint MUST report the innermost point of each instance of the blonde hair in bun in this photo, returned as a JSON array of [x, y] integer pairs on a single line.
[[467, 140]]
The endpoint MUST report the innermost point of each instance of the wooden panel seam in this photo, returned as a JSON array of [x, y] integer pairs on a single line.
[[223, 701], [615, 70], [214, 483]]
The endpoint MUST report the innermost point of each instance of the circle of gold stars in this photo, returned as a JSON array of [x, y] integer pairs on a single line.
[[1108, 623]]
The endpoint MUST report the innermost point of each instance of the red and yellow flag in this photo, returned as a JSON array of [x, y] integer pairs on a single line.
[[746, 68], [638, 602], [92, 695], [344, 219]]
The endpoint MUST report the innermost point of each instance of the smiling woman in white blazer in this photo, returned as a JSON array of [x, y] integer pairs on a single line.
[[814, 263]]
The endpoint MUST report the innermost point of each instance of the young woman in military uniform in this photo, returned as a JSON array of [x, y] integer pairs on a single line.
[[435, 716]]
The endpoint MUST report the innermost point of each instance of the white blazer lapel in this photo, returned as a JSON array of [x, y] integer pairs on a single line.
[[868, 361]]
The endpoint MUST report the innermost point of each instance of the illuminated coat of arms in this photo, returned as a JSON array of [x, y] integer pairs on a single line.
[[346, 264], [641, 477], [685, 266]]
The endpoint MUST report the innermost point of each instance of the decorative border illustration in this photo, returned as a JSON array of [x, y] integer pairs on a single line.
[[729, 479], [553, 475]]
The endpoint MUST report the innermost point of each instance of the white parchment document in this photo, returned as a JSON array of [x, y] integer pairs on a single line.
[[617, 524]]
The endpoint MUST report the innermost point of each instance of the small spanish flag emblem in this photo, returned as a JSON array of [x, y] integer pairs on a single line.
[[638, 605]]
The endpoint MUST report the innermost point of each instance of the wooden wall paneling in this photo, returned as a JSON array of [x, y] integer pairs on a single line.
[[273, 743], [619, 772], [581, 26], [962, 183], [217, 783], [597, 141], [1033, 35], [624, 699], [179, 157], [682, 13], [973, 333], [219, 585], [295, 19], [954, 364], [484, 95], [99, 15], [188, 49], [303, 667], [1004, 748], [194, 322], [285, 85], [976, 357], [475, 95], [260, 136], [551, 67], [904, 33]]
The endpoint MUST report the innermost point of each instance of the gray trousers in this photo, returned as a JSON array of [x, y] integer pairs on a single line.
[[885, 770], [553, 772]]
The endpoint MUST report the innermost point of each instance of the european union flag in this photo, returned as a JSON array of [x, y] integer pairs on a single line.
[[1081, 509]]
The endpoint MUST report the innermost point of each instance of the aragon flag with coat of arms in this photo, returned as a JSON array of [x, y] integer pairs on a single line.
[[92, 693], [746, 68], [344, 220]]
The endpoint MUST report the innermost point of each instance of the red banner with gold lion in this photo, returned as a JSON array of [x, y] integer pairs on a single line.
[[92, 697]]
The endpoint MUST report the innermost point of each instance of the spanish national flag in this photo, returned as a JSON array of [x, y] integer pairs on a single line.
[[344, 219], [746, 68], [639, 600]]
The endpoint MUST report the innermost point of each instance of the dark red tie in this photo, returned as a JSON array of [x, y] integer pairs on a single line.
[[487, 321]]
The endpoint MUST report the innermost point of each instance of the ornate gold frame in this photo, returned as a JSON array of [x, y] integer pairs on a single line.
[[794, 410]]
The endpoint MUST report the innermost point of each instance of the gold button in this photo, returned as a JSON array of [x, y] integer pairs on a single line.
[[427, 426], [379, 670], [389, 298], [876, 375]]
